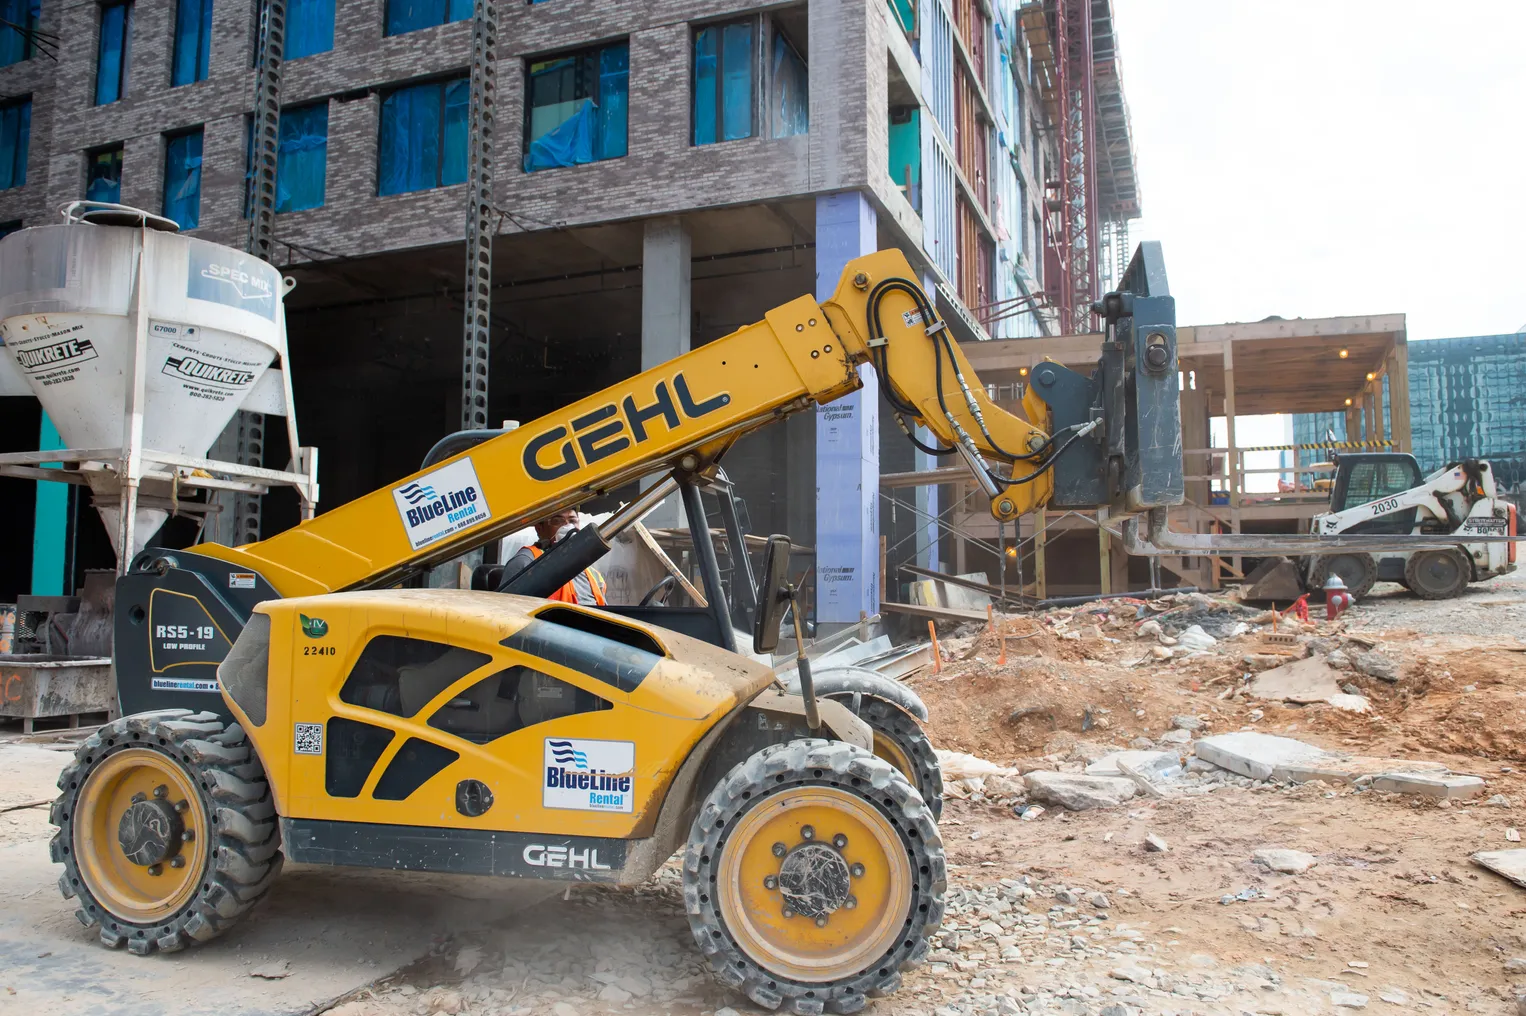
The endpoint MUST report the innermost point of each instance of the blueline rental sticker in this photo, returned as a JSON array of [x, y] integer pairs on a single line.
[[583, 775], [441, 503]]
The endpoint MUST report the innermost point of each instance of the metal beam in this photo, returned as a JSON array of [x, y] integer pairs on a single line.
[[480, 225]]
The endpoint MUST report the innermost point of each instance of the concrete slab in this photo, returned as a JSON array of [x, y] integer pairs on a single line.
[[1509, 864], [339, 928], [1429, 785], [1153, 765], [1267, 756]]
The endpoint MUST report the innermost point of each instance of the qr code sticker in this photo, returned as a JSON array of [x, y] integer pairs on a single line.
[[309, 739]]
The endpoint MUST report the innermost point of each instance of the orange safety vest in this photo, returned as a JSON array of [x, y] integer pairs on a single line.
[[569, 592]]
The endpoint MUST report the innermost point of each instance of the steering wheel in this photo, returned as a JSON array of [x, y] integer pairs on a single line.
[[660, 592]]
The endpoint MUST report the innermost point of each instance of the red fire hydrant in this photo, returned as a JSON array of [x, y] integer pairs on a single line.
[[1337, 597]]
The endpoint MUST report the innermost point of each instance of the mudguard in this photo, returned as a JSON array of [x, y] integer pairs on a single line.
[[835, 682]]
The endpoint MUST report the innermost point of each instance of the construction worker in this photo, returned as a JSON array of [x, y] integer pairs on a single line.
[[587, 588]]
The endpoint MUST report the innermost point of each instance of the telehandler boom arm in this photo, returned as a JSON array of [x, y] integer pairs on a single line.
[[683, 414]]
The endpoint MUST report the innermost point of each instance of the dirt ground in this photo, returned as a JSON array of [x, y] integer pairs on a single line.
[[1069, 912]]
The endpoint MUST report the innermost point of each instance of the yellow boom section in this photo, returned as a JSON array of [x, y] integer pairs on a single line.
[[699, 403]]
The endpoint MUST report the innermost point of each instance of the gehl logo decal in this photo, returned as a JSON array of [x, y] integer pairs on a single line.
[[611, 429]]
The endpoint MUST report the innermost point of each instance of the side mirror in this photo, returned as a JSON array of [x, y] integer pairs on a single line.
[[773, 595]]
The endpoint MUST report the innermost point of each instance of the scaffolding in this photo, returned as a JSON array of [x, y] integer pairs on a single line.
[[1095, 193]]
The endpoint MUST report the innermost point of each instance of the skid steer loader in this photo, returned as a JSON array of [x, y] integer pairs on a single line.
[[1383, 493]]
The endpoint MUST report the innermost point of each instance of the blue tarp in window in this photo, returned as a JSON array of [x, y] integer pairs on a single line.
[[790, 103], [412, 15], [723, 82], [15, 137], [302, 157], [193, 41], [706, 41], [112, 55], [423, 137], [309, 28], [569, 144], [577, 108], [15, 36], [614, 88], [182, 179], [104, 171]]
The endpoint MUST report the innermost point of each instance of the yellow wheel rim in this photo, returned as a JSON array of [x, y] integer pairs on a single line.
[[887, 748], [166, 833], [837, 841]]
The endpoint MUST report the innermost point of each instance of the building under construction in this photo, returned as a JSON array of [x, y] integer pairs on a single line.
[[491, 211]]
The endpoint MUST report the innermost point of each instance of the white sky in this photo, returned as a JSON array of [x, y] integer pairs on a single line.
[[1314, 158]]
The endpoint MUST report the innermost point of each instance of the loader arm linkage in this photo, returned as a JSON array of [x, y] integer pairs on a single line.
[[683, 414]]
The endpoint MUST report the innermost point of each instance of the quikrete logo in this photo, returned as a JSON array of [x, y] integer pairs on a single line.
[[455, 505], [613, 428], [57, 354], [189, 368]]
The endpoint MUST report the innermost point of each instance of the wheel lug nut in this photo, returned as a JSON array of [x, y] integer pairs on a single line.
[[182, 806], [821, 922], [177, 861], [156, 869], [807, 833], [857, 870], [839, 841], [161, 791], [850, 902], [139, 797], [188, 836], [769, 882], [788, 913]]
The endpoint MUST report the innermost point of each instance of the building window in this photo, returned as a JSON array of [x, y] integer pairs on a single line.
[[576, 111], [193, 41], [103, 175], [412, 15], [309, 28], [111, 56], [727, 81], [302, 157], [423, 137], [723, 81], [15, 137], [182, 178], [789, 92], [18, 23]]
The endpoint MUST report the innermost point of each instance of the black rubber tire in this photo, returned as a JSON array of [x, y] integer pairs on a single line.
[[1423, 565], [240, 860], [1359, 571], [813, 762], [903, 728]]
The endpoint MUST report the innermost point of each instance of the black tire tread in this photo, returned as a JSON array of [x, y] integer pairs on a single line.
[[243, 857], [895, 722], [1464, 571], [805, 763], [1319, 574]]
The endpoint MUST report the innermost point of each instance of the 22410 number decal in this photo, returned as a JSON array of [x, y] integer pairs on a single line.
[[318, 650]]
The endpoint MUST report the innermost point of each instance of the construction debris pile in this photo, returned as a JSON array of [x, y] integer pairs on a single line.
[[1092, 706]]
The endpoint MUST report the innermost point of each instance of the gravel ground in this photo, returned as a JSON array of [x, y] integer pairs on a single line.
[[1493, 607]]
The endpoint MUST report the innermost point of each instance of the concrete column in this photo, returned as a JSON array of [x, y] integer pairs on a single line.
[[847, 442], [665, 315]]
